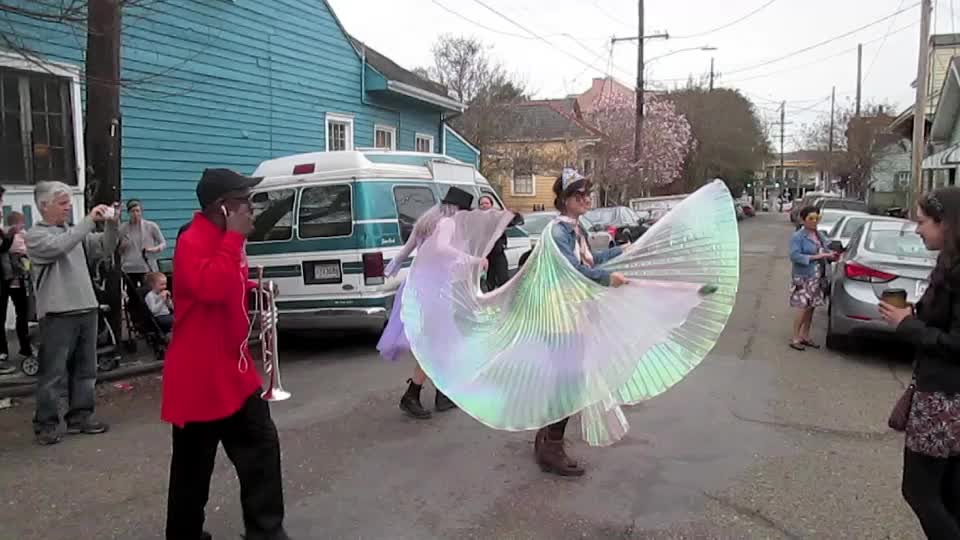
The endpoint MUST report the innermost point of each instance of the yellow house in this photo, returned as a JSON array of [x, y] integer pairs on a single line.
[[528, 154]]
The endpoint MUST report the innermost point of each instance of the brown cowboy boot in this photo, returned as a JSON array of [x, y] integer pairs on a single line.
[[552, 457]]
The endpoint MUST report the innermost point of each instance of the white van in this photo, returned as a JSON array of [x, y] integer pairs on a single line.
[[327, 223]]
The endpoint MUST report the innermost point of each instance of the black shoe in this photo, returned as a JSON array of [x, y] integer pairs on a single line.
[[87, 427], [206, 536], [48, 436], [410, 402], [443, 403]]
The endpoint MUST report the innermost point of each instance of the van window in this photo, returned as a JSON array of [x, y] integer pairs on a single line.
[[412, 202], [272, 215], [444, 188], [488, 193], [325, 211]]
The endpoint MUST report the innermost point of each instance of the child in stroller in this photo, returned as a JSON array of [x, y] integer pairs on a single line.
[[159, 301]]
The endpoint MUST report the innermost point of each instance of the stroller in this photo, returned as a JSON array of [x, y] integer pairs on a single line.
[[108, 352], [140, 321]]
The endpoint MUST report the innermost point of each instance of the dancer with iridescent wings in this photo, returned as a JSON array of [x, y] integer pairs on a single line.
[[574, 331], [393, 342]]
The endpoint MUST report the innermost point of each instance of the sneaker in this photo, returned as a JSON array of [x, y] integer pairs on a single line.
[[6, 368], [88, 427], [48, 436]]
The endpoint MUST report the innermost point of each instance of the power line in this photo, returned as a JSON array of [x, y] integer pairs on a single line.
[[475, 23], [880, 48], [727, 25]]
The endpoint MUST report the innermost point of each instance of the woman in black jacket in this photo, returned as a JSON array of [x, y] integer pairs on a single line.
[[497, 269], [931, 461]]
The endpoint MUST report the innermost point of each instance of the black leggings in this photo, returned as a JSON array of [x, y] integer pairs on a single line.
[[931, 486]]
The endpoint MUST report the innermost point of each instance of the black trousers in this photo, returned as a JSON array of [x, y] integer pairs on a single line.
[[250, 440], [931, 486], [21, 306]]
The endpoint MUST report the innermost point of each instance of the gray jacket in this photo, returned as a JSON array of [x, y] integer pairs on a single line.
[[61, 274]]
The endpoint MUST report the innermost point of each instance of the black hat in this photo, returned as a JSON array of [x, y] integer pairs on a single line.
[[216, 183], [459, 198]]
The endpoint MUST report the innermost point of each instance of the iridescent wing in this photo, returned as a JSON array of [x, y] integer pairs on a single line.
[[551, 343]]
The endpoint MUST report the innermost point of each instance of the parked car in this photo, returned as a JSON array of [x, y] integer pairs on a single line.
[[808, 199], [844, 228], [831, 203], [623, 224], [829, 218], [738, 207], [882, 254], [748, 210], [535, 222]]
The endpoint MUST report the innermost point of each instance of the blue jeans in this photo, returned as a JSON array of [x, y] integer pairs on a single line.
[[68, 356]]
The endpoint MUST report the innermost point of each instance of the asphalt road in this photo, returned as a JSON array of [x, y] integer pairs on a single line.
[[759, 442]]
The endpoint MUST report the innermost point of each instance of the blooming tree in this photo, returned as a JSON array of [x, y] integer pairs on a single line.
[[667, 139]]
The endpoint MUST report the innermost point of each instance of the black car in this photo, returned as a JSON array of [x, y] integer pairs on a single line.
[[623, 224]]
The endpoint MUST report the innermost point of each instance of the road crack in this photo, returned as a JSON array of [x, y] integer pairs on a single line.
[[754, 515], [813, 429]]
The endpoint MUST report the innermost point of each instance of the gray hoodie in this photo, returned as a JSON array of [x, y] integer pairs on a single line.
[[60, 272]]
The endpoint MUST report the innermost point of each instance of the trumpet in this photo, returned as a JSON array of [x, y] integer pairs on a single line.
[[267, 313]]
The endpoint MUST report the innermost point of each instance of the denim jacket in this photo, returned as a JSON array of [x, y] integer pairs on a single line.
[[802, 247], [565, 237]]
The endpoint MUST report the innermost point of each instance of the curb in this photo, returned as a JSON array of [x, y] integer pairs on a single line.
[[23, 386]]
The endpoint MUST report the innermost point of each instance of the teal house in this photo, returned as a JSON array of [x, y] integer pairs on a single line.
[[208, 83]]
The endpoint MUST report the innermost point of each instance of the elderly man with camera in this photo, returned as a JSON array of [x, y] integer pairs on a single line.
[[67, 308]]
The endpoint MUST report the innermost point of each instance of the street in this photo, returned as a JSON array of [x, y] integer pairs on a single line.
[[759, 442]]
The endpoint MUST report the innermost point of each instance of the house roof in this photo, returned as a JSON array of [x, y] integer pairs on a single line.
[[392, 71], [948, 108], [545, 120]]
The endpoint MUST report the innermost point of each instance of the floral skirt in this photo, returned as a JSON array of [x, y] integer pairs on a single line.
[[933, 427], [805, 292]]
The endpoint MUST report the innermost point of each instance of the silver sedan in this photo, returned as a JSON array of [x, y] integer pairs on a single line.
[[882, 254]]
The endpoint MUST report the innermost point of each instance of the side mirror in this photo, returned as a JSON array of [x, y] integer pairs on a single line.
[[596, 228], [260, 198], [837, 246]]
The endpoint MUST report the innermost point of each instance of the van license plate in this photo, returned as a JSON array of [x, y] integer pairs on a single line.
[[921, 288], [325, 272]]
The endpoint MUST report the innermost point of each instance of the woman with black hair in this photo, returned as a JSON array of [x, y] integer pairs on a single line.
[[931, 461], [808, 252]]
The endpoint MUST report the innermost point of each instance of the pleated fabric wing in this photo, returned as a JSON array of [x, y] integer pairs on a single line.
[[551, 343]]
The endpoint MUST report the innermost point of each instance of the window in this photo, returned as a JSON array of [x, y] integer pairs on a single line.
[[488, 193], [424, 143], [272, 215], [325, 211], [523, 184], [385, 137], [588, 167], [36, 128], [339, 132], [412, 202]]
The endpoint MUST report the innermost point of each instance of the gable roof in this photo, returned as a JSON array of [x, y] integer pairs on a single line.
[[948, 108], [545, 120], [392, 71]]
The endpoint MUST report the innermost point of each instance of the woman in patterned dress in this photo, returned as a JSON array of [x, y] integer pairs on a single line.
[[931, 460], [808, 253]]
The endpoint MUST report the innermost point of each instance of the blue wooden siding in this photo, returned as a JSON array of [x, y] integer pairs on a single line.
[[455, 148], [230, 84]]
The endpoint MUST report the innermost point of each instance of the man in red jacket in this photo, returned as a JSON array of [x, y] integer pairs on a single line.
[[211, 388]]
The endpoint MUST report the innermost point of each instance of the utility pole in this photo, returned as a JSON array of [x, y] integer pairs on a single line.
[[102, 137], [920, 106], [711, 74], [638, 126], [827, 181], [859, 76], [783, 123]]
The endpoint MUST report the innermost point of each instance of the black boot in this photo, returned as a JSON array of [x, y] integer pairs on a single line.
[[443, 403], [410, 402]]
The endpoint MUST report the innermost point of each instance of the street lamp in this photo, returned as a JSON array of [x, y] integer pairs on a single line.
[[678, 51]]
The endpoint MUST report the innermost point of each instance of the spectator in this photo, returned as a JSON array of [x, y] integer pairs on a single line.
[[16, 280], [6, 240], [159, 301], [497, 270], [808, 253], [140, 240], [67, 308]]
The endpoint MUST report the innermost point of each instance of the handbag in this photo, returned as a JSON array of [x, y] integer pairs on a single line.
[[901, 409]]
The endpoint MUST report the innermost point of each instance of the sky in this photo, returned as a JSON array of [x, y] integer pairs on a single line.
[[558, 46]]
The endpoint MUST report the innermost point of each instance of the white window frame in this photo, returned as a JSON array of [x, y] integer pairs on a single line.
[[533, 185], [423, 137], [345, 119], [386, 129]]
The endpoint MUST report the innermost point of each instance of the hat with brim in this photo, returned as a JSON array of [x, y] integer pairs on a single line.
[[459, 198], [573, 182], [217, 183]]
